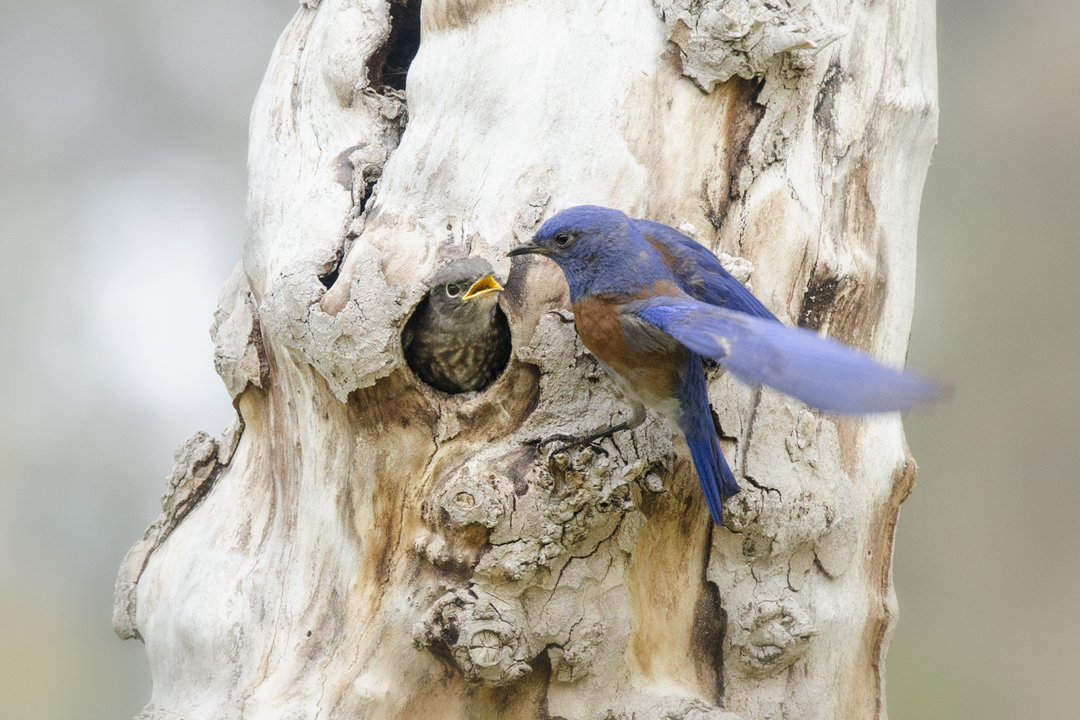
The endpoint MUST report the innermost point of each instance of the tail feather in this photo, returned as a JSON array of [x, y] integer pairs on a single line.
[[695, 419], [716, 478]]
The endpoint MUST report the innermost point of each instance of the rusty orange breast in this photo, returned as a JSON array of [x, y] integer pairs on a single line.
[[652, 375]]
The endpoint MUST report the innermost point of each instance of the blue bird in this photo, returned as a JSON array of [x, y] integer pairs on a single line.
[[650, 303]]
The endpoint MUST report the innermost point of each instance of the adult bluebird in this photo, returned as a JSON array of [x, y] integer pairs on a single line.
[[650, 302], [457, 340]]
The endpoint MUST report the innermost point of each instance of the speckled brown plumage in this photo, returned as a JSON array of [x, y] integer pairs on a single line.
[[457, 345]]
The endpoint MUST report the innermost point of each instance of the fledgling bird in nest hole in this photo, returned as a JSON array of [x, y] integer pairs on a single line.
[[458, 340]]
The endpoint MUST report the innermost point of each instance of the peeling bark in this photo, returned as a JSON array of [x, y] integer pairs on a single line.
[[363, 545]]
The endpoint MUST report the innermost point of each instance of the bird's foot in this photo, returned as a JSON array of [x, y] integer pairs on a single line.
[[565, 316], [573, 441], [559, 442]]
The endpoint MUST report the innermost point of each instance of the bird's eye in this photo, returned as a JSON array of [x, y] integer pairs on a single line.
[[563, 239], [453, 290]]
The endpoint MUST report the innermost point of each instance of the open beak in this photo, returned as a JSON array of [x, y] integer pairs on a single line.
[[527, 248], [484, 286]]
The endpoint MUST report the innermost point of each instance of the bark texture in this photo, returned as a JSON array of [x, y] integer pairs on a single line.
[[362, 545]]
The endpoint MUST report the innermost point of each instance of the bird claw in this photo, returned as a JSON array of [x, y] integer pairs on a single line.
[[565, 316], [590, 444], [571, 441], [591, 439]]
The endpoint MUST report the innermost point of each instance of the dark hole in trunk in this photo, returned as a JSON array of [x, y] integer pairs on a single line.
[[389, 66], [331, 275], [429, 356]]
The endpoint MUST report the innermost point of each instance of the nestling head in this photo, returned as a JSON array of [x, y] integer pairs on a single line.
[[464, 288], [598, 249]]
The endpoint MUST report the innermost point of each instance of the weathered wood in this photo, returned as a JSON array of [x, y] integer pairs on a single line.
[[373, 548]]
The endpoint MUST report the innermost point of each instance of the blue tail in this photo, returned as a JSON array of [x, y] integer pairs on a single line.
[[713, 472], [716, 478]]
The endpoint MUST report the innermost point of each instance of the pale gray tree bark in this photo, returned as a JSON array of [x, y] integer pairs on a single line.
[[361, 545]]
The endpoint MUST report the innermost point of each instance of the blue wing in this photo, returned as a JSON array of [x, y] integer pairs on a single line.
[[820, 372], [700, 274]]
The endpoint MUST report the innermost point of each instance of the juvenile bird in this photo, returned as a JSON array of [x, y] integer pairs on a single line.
[[650, 302], [458, 340]]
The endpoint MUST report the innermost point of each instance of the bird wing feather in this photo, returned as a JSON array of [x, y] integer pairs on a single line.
[[699, 272], [818, 371], [645, 336]]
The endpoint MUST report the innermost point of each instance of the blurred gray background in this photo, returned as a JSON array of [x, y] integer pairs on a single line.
[[123, 130]]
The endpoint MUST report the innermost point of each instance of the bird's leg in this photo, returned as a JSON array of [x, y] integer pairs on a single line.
[[577, 440]]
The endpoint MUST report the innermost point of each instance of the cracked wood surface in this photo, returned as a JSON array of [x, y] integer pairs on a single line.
[[362, 545]]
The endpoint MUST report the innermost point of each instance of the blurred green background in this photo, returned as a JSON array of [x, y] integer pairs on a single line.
[[122, 185]]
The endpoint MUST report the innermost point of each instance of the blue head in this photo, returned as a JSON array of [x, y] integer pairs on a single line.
[[599, 250]]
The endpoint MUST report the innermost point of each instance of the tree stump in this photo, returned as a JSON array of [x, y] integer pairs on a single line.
[[362, 545]]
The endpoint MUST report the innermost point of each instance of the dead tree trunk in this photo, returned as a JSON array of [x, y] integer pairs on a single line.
[[363, 545]]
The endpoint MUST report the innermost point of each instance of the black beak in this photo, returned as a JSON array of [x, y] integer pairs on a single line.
[[527, 248]]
